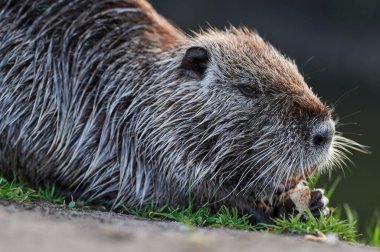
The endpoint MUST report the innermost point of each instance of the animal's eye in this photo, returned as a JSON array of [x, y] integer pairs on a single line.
[[248, 91]]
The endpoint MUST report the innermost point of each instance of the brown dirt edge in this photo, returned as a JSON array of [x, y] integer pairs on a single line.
[[43, 226]]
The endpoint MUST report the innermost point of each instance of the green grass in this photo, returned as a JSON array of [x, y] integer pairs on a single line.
[[345, 227], [232, 219], [373, 230], [202, 216], [18, 191]]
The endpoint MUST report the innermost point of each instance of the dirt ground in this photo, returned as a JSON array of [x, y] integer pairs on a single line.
[[46, 227]]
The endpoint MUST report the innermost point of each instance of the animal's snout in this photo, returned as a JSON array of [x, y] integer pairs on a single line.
[[322, 134]]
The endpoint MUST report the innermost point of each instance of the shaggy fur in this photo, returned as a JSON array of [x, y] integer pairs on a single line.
[[93, 99]]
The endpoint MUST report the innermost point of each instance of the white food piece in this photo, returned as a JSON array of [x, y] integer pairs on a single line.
[[300, 196]]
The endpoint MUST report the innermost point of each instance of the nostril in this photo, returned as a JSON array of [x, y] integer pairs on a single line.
[[319, 140], [322, 134]]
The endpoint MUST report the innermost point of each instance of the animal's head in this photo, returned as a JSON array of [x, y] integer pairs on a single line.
[[242, 121]]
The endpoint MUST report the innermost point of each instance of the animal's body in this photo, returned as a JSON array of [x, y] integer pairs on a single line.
[[109, 101]]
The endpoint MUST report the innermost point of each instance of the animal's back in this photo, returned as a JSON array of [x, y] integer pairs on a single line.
[[60, 62]]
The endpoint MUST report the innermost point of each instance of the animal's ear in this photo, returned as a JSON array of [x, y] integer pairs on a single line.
[[194, 63]]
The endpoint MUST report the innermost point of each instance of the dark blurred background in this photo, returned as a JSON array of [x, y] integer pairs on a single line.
[[336, 44]]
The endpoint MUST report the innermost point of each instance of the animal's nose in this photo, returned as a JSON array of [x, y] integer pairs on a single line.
[[322, 134]]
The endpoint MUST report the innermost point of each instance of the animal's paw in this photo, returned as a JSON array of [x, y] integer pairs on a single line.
[[318, 203], [299, 199]]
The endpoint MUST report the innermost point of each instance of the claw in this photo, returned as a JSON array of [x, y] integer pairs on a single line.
[[325, 200], [318, 203], [326, 211], [316, 196], [316, 206]]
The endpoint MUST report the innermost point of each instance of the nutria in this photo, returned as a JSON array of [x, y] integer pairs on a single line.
[[109, 101]]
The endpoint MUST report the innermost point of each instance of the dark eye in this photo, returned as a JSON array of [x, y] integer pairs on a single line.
[[248, 91]]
